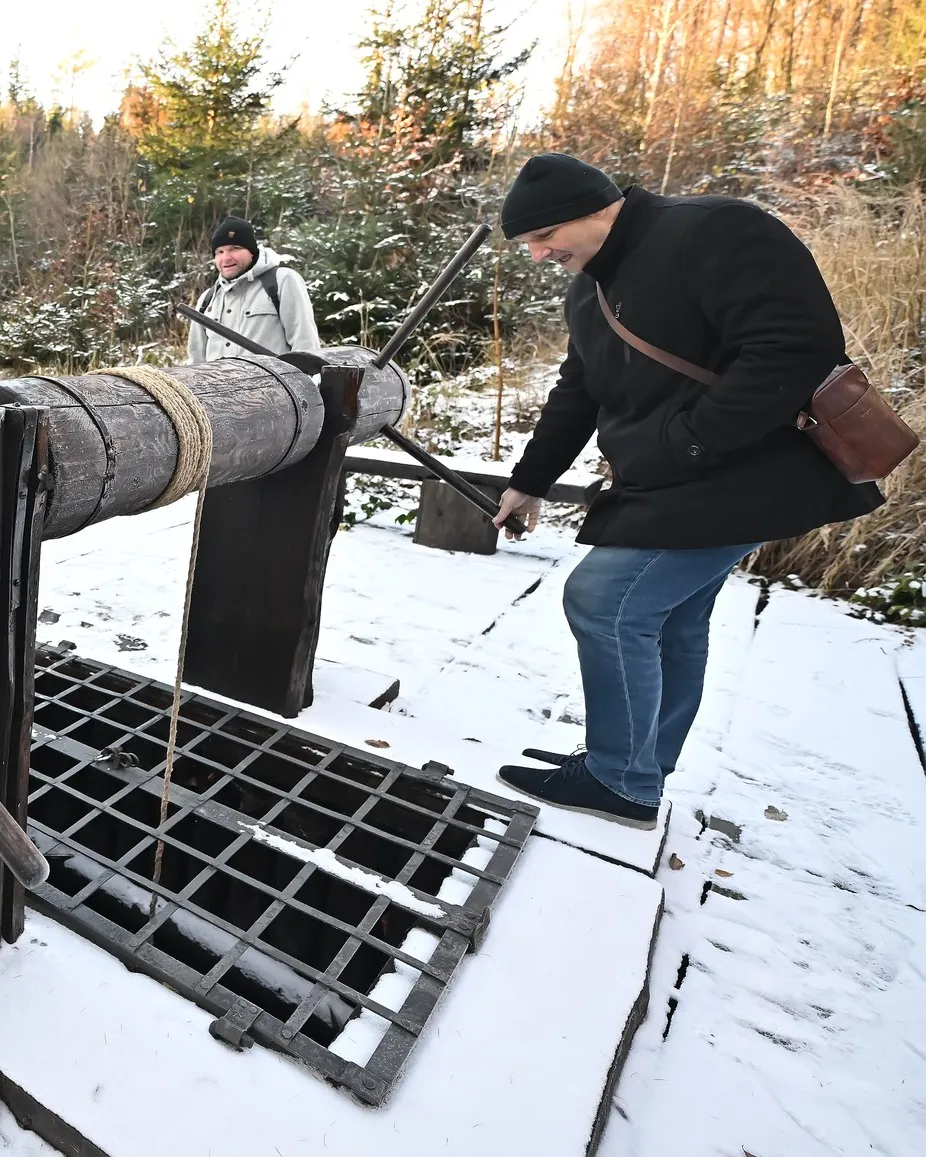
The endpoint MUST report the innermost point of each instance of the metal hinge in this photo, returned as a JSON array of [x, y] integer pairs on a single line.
[[431, 772], [478, 927], [56, 650], [233, 1028], [114, 758]]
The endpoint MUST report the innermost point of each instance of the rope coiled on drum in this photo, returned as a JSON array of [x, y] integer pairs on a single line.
[[190, 421]]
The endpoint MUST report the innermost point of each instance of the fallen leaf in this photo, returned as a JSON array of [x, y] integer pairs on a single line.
[[377, 742], [675, 863], [721, 872], [772, 813]]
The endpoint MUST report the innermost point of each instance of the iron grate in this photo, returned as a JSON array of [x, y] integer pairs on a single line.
[[315, 898]]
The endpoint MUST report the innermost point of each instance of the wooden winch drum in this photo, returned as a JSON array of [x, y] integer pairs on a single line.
[[384, 393], [112, 449]]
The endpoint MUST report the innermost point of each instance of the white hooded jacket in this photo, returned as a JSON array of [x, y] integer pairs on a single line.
[[244, 305]]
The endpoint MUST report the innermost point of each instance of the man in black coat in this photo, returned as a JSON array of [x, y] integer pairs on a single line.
[[702, 475]]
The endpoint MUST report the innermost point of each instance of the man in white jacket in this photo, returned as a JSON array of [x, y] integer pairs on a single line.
[[255, 296]]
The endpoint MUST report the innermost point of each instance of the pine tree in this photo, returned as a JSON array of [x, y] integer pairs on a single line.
[[204, 104], [439, 81], [202, 125]]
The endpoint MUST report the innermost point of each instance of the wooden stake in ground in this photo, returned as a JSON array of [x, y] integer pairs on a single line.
[[496, 444]]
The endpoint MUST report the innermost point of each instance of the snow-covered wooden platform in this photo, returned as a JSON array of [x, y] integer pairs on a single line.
[[522, 1045], [790, 954]]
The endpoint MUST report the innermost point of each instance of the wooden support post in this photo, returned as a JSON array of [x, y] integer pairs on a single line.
[[23, 481], [447, 521], [263, 551]]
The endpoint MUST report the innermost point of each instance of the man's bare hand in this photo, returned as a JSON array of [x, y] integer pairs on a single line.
[[524, 506]]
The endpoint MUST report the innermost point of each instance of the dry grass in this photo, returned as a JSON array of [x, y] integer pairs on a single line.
[[872, 252]]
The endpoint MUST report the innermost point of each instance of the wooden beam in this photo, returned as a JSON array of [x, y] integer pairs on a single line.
[[23, 478], [114, 449], [263, 551], [576, 487]]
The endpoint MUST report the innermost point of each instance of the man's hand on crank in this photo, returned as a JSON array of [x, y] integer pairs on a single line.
[[524, 506]]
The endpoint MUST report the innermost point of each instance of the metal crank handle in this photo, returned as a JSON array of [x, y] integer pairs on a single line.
[[309, 363], [461, 485], [20, 854], [441, 284]]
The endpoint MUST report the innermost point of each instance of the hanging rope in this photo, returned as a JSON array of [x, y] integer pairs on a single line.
[[194, 458]]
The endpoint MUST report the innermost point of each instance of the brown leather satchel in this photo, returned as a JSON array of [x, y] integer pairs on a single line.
[[847, 418]]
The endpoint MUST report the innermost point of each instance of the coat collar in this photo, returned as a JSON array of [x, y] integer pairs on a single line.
[[629, 226]]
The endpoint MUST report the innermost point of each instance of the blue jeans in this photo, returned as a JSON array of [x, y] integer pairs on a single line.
[[640, 619]]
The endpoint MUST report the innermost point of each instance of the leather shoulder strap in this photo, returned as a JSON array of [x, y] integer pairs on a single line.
[[687, 369]]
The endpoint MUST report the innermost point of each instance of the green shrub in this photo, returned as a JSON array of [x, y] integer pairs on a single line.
[[897, 600]]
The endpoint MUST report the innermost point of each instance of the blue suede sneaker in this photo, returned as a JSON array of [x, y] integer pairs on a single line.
[[573, 787], [559, 757]]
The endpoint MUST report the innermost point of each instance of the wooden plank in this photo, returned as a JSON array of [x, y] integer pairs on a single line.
[[575, 486], [448, 521], [36, 1118], [634, 1020], [264, 543]]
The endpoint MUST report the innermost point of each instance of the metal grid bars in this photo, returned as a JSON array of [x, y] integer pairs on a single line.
[[315, 898]]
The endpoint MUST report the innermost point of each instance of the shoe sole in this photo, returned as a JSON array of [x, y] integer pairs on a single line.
[[624, 821]]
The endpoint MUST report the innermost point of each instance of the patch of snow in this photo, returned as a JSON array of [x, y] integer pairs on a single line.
[[458, 885], [325, 859], [361, 1036]]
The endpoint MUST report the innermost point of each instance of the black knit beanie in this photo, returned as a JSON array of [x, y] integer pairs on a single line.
[[235, 231], [552, 188]]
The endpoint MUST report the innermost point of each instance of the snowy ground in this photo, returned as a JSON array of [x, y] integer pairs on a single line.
[[799, 975]]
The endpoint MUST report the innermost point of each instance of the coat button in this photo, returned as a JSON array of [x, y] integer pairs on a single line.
[[694, 451], [228, 343]]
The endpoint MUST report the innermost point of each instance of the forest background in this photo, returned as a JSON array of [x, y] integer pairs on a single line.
[[814, 108]]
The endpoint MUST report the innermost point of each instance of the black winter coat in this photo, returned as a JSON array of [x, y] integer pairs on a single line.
[[726, 286]]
